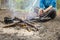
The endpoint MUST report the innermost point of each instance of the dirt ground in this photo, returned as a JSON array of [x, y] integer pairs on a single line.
[[49, 30]]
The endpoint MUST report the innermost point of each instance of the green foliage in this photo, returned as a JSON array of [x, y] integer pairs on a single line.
[[19, 4], [22, 4], [58, 4]]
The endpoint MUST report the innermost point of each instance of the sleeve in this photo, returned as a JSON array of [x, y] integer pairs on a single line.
[[53, 3], [41, 4]]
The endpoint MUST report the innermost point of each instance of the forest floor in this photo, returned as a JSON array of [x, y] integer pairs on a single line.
[[48, 31]]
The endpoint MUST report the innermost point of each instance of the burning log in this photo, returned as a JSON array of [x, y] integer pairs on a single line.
[[9, 25], [28, 23], [19, 21]]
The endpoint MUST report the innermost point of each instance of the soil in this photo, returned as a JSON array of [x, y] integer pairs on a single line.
[[47, 31]]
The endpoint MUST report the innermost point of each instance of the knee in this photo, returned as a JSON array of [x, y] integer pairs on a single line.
[[52, 13], [53, 10]]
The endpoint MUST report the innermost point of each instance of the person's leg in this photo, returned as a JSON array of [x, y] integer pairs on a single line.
[[48, 16], [52, 14]]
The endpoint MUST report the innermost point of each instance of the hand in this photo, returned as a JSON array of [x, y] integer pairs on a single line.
[[41, 12]]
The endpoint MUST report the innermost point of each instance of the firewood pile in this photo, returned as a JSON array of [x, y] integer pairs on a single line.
[[31, 25]]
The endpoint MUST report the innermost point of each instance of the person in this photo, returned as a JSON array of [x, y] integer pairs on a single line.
[[48, 8]]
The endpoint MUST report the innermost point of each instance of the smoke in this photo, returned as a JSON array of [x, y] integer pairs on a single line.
[[16, 6]]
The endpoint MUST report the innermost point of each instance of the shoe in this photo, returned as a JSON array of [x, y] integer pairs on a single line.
[[45, 18]]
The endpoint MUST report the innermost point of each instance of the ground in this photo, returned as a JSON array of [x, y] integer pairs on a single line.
[[48, 31]]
